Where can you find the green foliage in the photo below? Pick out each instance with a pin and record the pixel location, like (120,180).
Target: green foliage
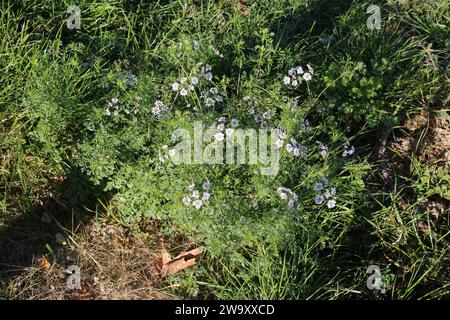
(60,89)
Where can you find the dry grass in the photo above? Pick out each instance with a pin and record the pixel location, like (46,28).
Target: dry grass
(115,264)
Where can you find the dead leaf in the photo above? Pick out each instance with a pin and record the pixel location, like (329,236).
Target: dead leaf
(29,159)
(241,6)
(184,260)
(44,264)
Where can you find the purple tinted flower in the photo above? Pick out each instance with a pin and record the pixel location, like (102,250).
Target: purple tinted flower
(318,186)
(319,199)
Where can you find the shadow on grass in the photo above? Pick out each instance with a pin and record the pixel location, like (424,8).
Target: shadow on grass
(319,17)
(27,237)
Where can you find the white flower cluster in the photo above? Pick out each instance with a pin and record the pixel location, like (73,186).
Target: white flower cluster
(260,117)
(348,150)
(297,150)
(216,51)
(323,149)
(297,75)
(114,108)
(327,194)
(289,195)
(183,87)
(197,199)
(253,103)
(196,47)
(160,111)
(282,135)
(292,146)
(211,96)
(206,72)
(220,136)
(166,153)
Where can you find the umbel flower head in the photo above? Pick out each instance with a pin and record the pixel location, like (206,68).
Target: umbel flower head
(297,75)
(197,198)
(289,195)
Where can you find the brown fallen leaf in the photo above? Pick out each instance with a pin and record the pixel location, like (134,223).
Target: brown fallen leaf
(44,264)
(184,260)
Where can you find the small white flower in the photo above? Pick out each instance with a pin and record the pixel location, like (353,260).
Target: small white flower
(107,112)
(114,100)
(206,185)
(294,83)
(349,150)
(221,126)
(296,152)
(293,201)
(283,196)
(127,111)
(282,134)
(208,76)
(172,152)
(175,86)
(310,69)
(333,191)
(191,187)
(194,80)
(183,92)
(186,201)
(165,147)
(299,70)
(197,204)
(219,136)
(206,196)
(279,143)
(196,45)
(283,192)
(195,194)
(286,80)
(307,76)
(156,111)
(234,122)
(289,148)
(266,115)
(331,204)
